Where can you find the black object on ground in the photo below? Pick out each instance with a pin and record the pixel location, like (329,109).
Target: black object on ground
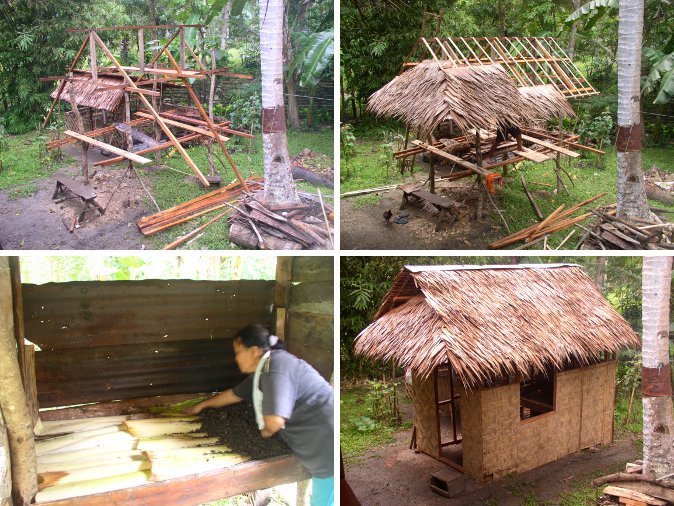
(235,427)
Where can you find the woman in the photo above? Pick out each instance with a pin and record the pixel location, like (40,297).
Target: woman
(290,398)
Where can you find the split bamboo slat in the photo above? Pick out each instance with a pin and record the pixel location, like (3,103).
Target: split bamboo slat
(108,147)
(194,208)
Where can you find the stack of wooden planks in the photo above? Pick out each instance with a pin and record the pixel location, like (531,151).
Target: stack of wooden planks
(560,219)
(289,226)
(191,209)
(611,232)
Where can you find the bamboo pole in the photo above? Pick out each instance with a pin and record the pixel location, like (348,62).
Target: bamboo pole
(13,400)
(5,465)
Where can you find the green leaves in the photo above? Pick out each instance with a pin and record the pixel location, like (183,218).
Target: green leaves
(594,10)
(314,55)
(662,73)
(24,40)
(219,5)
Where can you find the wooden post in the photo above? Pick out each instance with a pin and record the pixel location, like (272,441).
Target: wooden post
(480,183)
(431,170)
(127,119)
(13,400)
(5,466)
(182,48)
(80,129)
(284,269)
(141,50)
(92,57)
(211,95)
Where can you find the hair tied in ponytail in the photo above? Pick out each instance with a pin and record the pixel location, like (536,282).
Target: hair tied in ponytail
(273,340)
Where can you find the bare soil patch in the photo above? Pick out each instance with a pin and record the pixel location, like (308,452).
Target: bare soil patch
(394,475)
(38,222)
(364,227)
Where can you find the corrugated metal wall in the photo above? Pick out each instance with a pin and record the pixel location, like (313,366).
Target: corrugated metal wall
(105,340)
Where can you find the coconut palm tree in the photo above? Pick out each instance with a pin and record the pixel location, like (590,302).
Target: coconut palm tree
(657,383)
(279,185)
(631,188)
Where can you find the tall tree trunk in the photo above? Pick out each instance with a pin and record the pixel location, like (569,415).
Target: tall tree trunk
(600,273)
(291,79)
(657,381)
(124,50)
(13,400)
(631,188)
(224,27)
(571,48)
(278,181)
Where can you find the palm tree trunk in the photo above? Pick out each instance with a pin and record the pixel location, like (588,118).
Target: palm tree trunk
(656,381)
(631,188)
(571,48)
(278,181)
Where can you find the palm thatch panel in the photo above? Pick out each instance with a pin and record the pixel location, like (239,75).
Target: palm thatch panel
(431,92)
(546,102)
(493,322)
(86,95)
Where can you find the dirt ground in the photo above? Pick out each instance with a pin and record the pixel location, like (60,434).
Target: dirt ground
(394,475)
(365,227)
(235,426)
(38,222)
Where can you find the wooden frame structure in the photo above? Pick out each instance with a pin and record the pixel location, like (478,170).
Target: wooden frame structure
(134,81)
(531,61)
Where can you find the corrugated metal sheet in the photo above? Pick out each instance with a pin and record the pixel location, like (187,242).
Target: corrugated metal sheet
(101,313)
(105,340)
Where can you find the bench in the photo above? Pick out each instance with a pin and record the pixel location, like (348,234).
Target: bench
(444,205)
(85,193)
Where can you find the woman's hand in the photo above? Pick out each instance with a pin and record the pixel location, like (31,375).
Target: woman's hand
(272,424)
(194,410)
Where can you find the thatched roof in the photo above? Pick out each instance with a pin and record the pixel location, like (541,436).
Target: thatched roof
(545,102)
(86,94)
(474,97)
(491,322)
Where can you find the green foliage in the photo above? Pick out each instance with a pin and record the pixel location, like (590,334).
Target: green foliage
(244,109)
(662,73)
(596,129)
(363,423)
(592,10)
(383,399)
(347,147)
(313,56)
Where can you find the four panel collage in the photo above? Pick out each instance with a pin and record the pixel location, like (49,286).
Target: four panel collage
(417,252)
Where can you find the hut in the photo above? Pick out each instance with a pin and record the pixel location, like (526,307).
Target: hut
(99,349)
(512,366)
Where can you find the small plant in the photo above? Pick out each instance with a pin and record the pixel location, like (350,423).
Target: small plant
(387,148)
(598,130)
(363,423)
(347,146)
(383,399)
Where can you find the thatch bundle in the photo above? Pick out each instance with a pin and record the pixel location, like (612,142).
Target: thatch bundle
(86,94)
(474,97)
(546,102)
(493,322)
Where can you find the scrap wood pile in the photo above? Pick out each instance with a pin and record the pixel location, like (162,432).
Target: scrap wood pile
(94,455)
(636,488)
(194,208)
(560,219)
(611,232)
(304,225)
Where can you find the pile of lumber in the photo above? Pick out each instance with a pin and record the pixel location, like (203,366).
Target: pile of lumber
(304,225)
(191,209)
(611,232)
(634,488)
(560,219)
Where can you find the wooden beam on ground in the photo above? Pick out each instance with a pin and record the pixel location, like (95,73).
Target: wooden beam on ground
(108,147)
(158,147)
(185,126)
(455,159)
(529,154)
(157,118)
(551,146)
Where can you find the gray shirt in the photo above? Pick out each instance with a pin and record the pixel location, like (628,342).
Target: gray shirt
(293,389)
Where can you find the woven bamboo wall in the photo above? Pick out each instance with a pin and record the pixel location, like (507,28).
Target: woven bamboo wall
(598,389)
(500,420)
(425,419)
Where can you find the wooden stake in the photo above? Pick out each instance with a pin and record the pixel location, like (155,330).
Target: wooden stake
(141,50)
(92,57)
(13,400)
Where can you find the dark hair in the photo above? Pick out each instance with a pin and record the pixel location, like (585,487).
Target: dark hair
(256,335)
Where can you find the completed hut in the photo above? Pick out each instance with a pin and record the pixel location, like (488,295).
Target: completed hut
(512,366)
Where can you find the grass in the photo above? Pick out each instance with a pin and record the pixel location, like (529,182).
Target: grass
(366,169)
(23,161)
(354,443)
(22,165)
